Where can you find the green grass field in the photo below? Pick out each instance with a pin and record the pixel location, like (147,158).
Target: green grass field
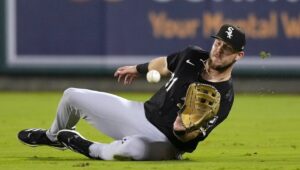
(261,132)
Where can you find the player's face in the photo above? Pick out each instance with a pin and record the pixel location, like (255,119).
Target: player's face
(222,55)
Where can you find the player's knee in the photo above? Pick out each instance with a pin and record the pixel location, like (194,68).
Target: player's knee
(70,94)
(134,147)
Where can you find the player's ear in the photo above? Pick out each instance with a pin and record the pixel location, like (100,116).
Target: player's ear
(240,55)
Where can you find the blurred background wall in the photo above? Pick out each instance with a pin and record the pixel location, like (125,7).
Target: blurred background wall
(55,44)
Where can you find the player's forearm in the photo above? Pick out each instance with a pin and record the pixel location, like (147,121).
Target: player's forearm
(159,64)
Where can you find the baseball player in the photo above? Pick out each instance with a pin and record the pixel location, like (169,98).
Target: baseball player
(183,112)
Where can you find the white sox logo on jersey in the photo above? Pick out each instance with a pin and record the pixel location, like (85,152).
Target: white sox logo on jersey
(229,32)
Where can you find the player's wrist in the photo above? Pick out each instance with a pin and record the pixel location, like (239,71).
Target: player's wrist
(142,68)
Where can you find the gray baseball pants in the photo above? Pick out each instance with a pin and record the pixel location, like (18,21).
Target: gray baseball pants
(124,120)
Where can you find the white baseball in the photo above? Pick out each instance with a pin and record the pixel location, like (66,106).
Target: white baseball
(153,76)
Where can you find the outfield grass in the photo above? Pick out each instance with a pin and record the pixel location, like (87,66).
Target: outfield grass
(262,132)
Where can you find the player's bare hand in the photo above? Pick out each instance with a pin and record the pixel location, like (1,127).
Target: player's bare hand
(128,73)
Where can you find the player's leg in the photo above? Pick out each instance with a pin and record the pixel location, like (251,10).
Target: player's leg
(119,118)
(110,114)
(136,147)
(113,115)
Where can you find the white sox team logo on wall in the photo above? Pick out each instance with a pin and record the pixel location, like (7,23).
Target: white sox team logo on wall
(229,32)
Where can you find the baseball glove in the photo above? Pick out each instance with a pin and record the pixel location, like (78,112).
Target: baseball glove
(201,105)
